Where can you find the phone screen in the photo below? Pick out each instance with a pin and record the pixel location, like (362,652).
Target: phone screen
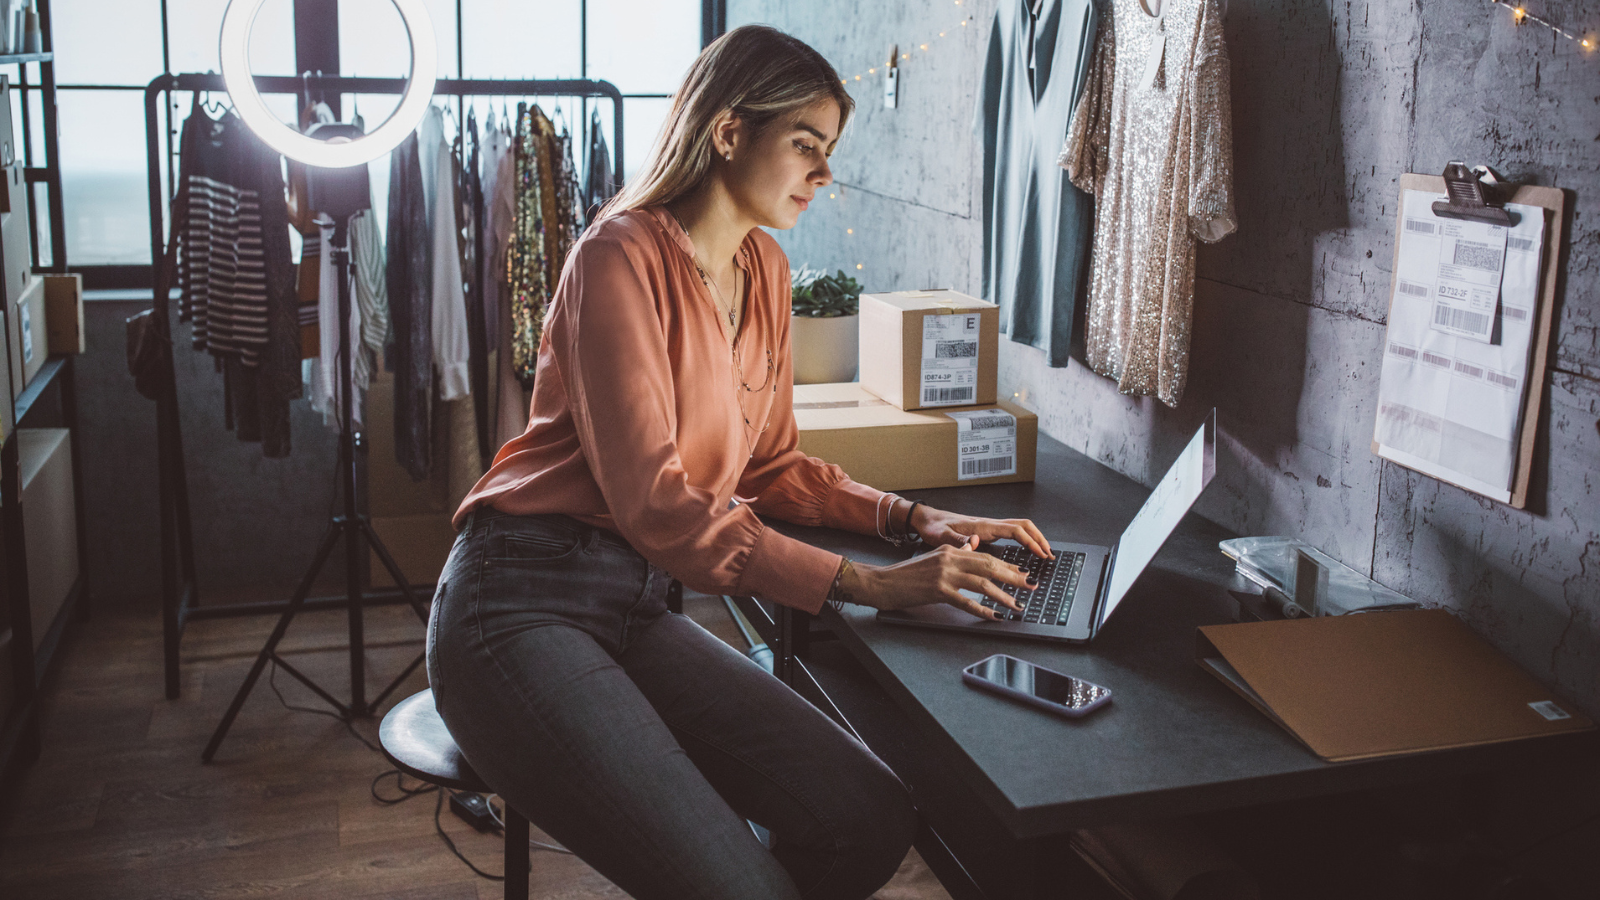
(1051,687)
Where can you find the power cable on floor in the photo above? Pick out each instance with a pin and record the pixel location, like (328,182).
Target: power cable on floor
(408,793)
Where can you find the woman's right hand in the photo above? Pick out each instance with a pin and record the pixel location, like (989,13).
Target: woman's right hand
(936,577)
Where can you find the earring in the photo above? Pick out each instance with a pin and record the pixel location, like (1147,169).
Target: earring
(728,156)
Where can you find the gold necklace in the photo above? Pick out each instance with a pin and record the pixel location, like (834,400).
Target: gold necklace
(721,303)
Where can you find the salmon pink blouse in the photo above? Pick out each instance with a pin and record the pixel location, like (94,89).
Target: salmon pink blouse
(644,422)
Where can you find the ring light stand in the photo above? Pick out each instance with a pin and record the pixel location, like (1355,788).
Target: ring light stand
(336,156)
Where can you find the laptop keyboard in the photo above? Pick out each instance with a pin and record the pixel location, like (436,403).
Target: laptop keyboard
(1051,601)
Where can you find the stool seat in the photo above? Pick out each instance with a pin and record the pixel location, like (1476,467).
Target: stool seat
(415,740)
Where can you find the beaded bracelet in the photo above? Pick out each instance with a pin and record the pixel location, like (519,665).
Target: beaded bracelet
(836,596)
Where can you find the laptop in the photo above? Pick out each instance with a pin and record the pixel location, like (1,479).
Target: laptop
(1082,587)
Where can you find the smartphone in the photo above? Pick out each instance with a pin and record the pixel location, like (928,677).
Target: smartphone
(1036,685)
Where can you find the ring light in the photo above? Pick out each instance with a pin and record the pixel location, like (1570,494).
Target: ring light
(235,51)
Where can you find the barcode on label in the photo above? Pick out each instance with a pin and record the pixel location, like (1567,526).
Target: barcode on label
(955,349)
(1505,381)
(1514,312)
(1549,710)
(1420,227)
(1477,256)
(1403,351)
(1519,243)
(1460,319)
(1469,369)
(1436,359)
(985,466)
(991,422)
(1415,290)
(946,395)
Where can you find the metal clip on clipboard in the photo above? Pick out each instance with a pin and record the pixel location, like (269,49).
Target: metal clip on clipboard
(1466,198)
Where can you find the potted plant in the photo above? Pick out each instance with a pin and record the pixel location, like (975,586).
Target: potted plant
(823,329)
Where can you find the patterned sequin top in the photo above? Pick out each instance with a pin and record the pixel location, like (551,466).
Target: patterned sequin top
(1152,138)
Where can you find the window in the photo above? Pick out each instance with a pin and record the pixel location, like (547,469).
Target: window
(108,50)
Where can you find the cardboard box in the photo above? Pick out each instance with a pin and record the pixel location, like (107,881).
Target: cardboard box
(8,139)
(898,450)
(14,231)
(26,336)
(930,349)
(49,522)
(63,305)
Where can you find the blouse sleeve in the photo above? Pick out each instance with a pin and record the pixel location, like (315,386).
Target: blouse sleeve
(1085,155)
(782,482)
(606,338)
(1211,212)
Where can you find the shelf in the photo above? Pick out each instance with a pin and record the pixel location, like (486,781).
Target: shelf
(36,388)
(7,59)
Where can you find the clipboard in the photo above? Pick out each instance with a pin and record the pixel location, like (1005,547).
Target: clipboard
(1554,201)
(1378,684)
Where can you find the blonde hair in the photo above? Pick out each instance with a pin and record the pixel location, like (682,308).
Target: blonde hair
(759,74)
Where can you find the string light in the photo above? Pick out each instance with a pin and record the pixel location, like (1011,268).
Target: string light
(1520,15)
(860,76)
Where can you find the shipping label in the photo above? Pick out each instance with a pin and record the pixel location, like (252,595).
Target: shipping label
(950,360)
(986,443)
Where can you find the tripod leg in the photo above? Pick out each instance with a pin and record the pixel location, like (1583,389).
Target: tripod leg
(270,648)
(394,570)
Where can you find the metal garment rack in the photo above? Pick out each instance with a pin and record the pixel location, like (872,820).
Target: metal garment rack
(180,594)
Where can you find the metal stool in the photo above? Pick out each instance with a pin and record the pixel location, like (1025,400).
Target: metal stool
(414,738)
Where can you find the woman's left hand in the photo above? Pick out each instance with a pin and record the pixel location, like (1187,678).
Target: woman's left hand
(939,527)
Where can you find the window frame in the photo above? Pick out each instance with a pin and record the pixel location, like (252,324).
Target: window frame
(713,22)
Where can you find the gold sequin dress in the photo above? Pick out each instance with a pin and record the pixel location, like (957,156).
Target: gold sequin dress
(1152,139)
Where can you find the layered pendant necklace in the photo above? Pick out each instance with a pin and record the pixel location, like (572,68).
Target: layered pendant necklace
(718,291)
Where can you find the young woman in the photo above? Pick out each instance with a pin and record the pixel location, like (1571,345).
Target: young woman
(661,426)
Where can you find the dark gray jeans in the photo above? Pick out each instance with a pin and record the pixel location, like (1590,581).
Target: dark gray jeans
(638,740)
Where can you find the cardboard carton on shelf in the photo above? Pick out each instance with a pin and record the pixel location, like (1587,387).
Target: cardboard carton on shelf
(26,335)
(898,450)
(929,349)
(49,522)
(14,231)
(63,302)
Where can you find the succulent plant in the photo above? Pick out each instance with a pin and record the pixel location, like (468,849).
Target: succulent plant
(818,295)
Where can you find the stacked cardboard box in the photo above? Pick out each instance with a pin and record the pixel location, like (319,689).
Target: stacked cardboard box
(925,414)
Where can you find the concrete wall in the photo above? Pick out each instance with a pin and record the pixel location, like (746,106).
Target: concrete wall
(257,521)
(1332,102)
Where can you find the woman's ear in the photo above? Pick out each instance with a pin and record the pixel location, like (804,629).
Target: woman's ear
(727,134)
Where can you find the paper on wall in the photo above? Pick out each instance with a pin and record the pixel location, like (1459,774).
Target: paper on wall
(1449,403)
(949,359)
(986,443)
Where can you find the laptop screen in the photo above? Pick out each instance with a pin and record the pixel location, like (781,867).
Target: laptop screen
(1162,512)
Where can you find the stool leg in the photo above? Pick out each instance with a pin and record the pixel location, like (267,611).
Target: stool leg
(516,855)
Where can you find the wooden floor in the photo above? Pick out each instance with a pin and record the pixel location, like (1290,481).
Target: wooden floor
(120,805)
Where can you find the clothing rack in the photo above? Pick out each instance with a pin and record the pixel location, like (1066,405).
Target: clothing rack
(180,594)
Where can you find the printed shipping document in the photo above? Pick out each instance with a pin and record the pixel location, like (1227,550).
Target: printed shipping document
(1455,361)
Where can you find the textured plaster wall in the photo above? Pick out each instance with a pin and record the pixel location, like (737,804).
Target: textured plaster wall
(1332,102)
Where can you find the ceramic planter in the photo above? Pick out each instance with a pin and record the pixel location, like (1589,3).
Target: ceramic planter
(825,350)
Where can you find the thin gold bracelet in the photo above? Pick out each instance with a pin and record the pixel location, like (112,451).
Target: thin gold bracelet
(836,596)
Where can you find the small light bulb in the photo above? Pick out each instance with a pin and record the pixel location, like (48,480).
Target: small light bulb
(849,231)
(872,71)
(924,46)
(905,56)
(830,196)
(858,265)
(941,34)
(858,77)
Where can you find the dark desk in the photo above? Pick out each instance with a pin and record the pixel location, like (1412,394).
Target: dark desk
(1174,741)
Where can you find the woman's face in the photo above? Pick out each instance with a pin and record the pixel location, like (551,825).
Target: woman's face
(775,177)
